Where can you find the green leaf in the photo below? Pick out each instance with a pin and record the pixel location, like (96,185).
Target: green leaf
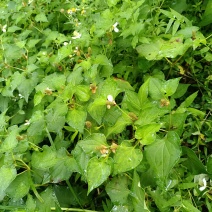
(131,102)
(3,121)
(169,87)
(159,48)
(30,203)
(48,200)
(192,162)
(27,86)
(158,199)
(209,164)
(147,133)
(53,81)
(112,3)
(163,154)
(117,189)
(7,175)
(93,143)
(82,160)
(175,27)
(138,194)
(64,167)
(108,87)
(38,97)
(171,21)
(32,42)
(16,80)
(97,109)
(44,160)
(143,93)
(76,119)
(13,29)
(150,115)
(41,18)
(120,125)
(56,112)
(181,90)
(21,184)
(37,124)
(98,170)
(102,60)
(188,101)
(207,16)
(83,93)
(126,159)
(175,122)
(155,88)
(12,52)
(188,206)
(54,122)
(62,53)
(10,142)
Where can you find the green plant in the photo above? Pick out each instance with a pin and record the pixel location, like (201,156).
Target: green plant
(105,106)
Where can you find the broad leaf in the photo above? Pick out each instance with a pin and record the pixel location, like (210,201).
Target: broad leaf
(150,115)
(209,165)
(131,102)
(126,158)
(11,141)
(188,101)
(7,175)
(21,185)
(147,133)
(169,87)
(164,154)
(120,125)
(44,160)
(117,189)
(41,17)
(98,171)
(82,160)
(97,109)
(192,162)
(64,167)
(83,93)
(93,143)
(155,89)
(76,119)
(143,92)
(138,194)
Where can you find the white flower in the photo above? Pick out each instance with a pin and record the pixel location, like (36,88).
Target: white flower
(66,43)
(110,98)
(111,101)
(27,122)
(76,35)
(204,185)
(115,27)
(21,96)
(201,179)
(4,28)
(72,11)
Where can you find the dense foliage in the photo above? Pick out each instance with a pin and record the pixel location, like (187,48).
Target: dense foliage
(105,105)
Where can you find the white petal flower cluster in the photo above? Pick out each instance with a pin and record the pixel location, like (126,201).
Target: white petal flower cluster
(77,35)
(110,101)
(115,27)
(4,28)
(201,179)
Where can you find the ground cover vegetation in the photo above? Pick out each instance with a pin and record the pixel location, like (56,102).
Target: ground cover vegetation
(105,105)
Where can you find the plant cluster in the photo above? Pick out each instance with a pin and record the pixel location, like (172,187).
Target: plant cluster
(105,105)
